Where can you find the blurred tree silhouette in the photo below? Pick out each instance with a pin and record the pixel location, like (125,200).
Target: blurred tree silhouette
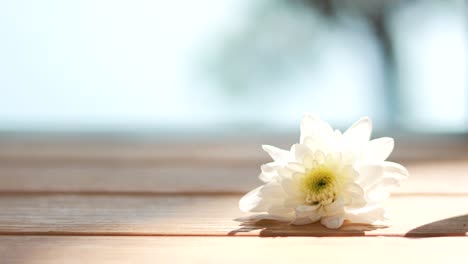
(277,36)
(375,13)
(280,36)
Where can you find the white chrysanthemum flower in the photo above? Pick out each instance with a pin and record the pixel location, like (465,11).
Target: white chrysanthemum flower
(328,177)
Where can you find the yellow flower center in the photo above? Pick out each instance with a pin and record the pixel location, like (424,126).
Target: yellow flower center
(320,186)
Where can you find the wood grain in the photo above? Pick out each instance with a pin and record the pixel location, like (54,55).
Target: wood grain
(210,215)
(103,250)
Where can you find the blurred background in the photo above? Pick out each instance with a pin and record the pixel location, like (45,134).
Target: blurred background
(178,96)
(232,66)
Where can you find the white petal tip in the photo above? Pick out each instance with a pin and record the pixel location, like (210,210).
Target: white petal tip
(360,131)
(266,148)
(332,222)
(250,201)
(246,204)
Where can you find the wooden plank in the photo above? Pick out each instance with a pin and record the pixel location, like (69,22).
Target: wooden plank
(102,250)
(426,177)
(129,153)
(167,148)
(128,179)
(124,165)
(64,214)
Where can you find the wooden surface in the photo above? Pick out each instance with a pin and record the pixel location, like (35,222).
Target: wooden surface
(210,215)
(124,204)
(151,250)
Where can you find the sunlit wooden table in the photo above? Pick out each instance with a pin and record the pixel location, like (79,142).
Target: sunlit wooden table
(165,203)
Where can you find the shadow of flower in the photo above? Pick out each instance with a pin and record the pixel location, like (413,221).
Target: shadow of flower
(454,226)
(270,228)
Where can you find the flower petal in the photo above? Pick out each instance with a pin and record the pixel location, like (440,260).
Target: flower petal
(379,149)
(259,217)
(269,171)
(303,210)
(332,222)
(314,127)
(306,214)
(291,187)
(262,198)
(369,174)
(300,151)
(306,220)
(366,215)
(280,210)
(293,201)
(337,207)
(279,155)
(391,175)
(395,170)
(354,196)
(290,170)
(360,132)
(295,167)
